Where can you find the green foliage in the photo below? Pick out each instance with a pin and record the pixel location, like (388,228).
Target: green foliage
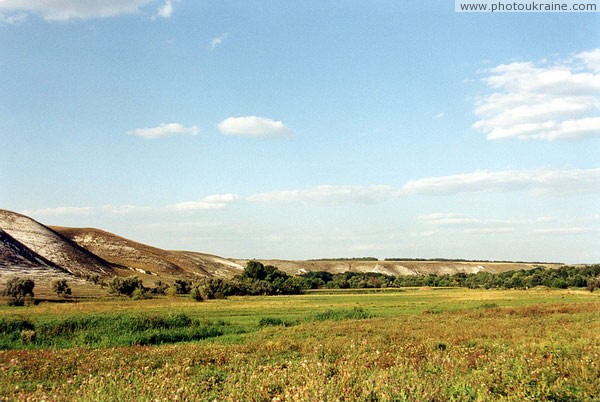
(107,331)
(274,322)
(212,288)
(356,313)
(125,286)
(20,290)
(561,278)
(96,279)
(61,288)
(161,288)
(182,286)
(140,294)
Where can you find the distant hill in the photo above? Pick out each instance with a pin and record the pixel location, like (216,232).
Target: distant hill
(27,245)
(147,259)
(394,268)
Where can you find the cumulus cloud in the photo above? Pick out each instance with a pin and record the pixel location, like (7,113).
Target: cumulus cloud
(542,101)
(215,201)
(538,182)
(164,130)
(327,194)
(253,126)
(62,10)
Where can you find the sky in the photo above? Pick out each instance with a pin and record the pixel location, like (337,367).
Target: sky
(305,129)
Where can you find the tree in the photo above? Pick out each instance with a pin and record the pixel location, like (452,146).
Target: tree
(19,289)
(61,287)
(211,288)
(182,286)
(125,286)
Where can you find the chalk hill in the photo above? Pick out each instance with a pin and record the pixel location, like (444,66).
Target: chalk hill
(147,259)
(52,246)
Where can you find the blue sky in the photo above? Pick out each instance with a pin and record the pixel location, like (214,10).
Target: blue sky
(305,129)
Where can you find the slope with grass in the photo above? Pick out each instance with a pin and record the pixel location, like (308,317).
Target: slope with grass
(145,259)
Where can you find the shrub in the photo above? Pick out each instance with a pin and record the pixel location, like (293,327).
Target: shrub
(61,287)
(140,294)
(124,286)
(20,290)
(171,291)
(196,294)
(356,313)
(182,286)
(28,336)
(211,288)
(273,322)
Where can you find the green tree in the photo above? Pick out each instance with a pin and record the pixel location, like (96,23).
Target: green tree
(19,289)
(125,286)
(61,288)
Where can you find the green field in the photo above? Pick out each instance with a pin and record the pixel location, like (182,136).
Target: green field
(412,344)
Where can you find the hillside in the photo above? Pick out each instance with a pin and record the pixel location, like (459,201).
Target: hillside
(53,246)
(149,260)
(26,244)
(17,260)
(396,267)
(13,253)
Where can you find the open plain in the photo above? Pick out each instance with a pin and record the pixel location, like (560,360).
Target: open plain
(411,344)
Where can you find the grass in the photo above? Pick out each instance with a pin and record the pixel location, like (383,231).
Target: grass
(418,344)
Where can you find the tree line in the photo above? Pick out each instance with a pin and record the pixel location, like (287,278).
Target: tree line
(560,278)
(265,280)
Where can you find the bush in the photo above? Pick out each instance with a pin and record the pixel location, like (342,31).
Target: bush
(197,294)
(20,290)
(140,294)
(211,288)
(356,313)
(182,286)
(125,286)
(61,287)
(274,322)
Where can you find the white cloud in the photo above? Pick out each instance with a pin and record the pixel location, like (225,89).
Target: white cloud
(216,41)
(455,219)
(166,10)
(85,211)
(13,18)
(163,130)
(490,230)
(327,194)
(253,126)
(211,202)
(567,231)
(440,115)
(541,181)
(62,10)
(542,101)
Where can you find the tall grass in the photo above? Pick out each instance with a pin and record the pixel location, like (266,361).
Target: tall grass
(107,331)
(478,346)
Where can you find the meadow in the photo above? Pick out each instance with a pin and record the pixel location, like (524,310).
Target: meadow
(417,344)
